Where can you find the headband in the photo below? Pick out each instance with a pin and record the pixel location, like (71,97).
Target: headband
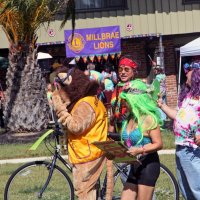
(190,66)
(128,62)
(64,78)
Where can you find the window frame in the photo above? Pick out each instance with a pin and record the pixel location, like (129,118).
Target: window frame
(125,7)
(190,1)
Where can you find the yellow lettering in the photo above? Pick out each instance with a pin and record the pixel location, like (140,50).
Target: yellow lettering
(103,45)
(116,34)
(89,37)
(107,35)
(95,47)
(103,36)
(111,45)
(112,35)
(98,37)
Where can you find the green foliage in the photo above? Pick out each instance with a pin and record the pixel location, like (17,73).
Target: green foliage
(21,19)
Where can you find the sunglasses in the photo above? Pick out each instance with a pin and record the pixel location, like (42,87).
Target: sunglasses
(62,80)
(126,69)
(134,91)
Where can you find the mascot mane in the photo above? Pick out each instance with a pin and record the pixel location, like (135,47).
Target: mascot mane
(80,86)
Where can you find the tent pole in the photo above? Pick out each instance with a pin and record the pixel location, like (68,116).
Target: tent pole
(179,75)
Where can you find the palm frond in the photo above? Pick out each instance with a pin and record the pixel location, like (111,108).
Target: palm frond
(70,11)
(21,19)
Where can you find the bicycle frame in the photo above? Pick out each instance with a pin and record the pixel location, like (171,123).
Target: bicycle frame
(56,156)
(102,191)
(101,188)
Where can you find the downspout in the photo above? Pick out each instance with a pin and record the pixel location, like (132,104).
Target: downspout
(161,52)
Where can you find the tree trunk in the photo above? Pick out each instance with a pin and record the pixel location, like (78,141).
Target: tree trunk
(26,106)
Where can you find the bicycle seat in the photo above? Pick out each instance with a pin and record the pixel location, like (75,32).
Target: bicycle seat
(114,136)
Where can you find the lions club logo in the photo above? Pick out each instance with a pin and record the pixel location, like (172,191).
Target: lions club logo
(76,43)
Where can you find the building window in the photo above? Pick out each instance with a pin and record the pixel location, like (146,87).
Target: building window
(100,5)
(4,62)
(190,1)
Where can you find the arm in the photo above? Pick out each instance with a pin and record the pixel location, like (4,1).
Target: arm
(114,77)
(79,120)
(170,112)
(197,134)
(197,140)
(111,128)
(156,139)
(156,144)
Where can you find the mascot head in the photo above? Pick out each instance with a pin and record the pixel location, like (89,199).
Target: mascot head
(74,85)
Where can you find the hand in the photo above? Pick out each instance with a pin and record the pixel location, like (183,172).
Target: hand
(64,118)
(57,102)
(134,151)
(159,101)
(197,140)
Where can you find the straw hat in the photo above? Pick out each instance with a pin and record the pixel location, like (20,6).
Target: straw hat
(56,65)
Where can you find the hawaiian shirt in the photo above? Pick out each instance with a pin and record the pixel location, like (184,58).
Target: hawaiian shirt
(187,122)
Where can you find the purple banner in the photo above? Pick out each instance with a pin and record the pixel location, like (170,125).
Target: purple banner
(92,41)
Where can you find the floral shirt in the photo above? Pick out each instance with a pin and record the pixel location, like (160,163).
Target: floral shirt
(187,122)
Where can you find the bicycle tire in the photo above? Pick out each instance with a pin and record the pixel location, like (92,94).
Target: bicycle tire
(26,182)
(166,185)
(167,191)
(118,183)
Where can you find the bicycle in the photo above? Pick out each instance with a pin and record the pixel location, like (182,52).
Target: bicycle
(46,180)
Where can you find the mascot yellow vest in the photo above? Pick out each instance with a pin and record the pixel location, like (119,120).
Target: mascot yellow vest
(79,146)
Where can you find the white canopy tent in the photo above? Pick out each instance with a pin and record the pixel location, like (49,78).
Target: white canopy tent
(42,55)
(190,49)
(43,61)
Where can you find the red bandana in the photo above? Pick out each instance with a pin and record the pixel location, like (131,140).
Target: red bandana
(128,62)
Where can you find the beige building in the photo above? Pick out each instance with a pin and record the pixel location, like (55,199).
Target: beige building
(145,26)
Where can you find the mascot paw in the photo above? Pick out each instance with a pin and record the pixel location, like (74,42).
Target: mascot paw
(64,117)
(57,102)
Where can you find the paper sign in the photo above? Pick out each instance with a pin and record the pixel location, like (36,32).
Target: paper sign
(117,149)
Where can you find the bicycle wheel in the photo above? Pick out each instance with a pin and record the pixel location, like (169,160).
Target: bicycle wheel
(26,182)
(120,176)
(166,185)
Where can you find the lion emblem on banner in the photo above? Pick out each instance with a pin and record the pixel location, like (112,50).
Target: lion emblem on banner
(76,42)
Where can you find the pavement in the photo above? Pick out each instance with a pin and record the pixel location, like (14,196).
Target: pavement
(25,160)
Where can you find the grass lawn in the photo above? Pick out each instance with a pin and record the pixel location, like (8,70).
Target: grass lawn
(19,150)
(7,169)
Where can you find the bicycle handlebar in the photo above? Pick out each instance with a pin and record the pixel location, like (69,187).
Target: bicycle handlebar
(114,136)
(58,128)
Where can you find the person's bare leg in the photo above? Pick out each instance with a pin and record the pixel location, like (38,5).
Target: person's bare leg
(129,192)
(145,192)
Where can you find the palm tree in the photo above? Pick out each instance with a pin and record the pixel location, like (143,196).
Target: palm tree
(26,105)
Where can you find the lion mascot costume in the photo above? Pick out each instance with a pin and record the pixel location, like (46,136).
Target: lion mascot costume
(84,120)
